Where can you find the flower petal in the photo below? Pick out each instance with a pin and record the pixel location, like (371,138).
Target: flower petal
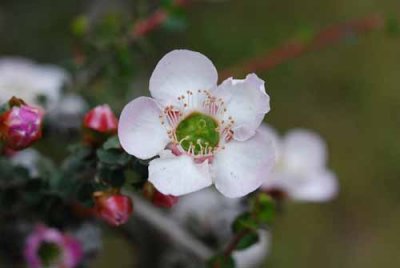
(303,150)
(317,187)
(246,102)
(140,131)
(243,166)
(180,71)
(273,135)
(178,175)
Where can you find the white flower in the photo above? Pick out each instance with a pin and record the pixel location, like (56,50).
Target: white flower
(210,131)
(69,112)
(36,84)
(301,172)
(207,213)
(28,158)
(254,256)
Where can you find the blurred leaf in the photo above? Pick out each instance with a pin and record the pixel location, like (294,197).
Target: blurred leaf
(248,240)
(176,23)
(113,157)
(264,208)
(85,194)
(221,261)
(112,143)
(135,179)
(113,177)
(80,26)
(80,158)
(166,4)
(243,222)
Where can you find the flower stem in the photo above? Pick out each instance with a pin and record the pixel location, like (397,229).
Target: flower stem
(168,227)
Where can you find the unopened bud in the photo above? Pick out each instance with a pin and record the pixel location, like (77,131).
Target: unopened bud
(157,198)
(114,208)
(99,123)
(21,126)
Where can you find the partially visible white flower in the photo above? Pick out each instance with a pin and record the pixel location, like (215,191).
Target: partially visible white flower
(29,159)
(254,256)
(36,84)
(89,235)
(301,173)
(207,213)
(69,112)
(204,134)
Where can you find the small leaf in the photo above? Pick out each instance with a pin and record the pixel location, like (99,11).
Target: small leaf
(264,208)
(221,261)
(113,157)
(244,221)
(113,177)
(248,240)
(112,143)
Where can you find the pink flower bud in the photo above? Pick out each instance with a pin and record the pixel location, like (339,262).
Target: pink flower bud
(21,126)
(101,119)
(48,247)
(157,198)
(99,123)
(115,209)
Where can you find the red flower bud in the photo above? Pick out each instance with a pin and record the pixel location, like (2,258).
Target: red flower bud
(115,209)
(21,126)
(99,123)
(157,198)
(162,200)
(101,119)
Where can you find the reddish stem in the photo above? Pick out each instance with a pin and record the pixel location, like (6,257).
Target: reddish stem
(293,49)
(149,24)
(234,242)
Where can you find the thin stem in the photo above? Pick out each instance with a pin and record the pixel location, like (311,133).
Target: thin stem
(154,21)
(234,242)
(293,49)
(172,230)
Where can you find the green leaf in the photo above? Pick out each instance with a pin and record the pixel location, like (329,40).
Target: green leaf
(248,240)
(264,208)
(221,261)
(112,143)
(113,157)
(134,180)
(113,177)
(80,25)
(243,222)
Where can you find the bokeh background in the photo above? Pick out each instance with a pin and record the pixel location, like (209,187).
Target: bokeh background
(348,92)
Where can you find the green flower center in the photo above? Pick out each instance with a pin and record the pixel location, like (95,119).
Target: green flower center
(198,133)
(49,253)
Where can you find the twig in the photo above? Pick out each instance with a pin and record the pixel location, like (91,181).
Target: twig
(293,49)
(145,26)
(170,228)
(234,242)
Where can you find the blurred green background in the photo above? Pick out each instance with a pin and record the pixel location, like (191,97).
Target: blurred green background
(348,92)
